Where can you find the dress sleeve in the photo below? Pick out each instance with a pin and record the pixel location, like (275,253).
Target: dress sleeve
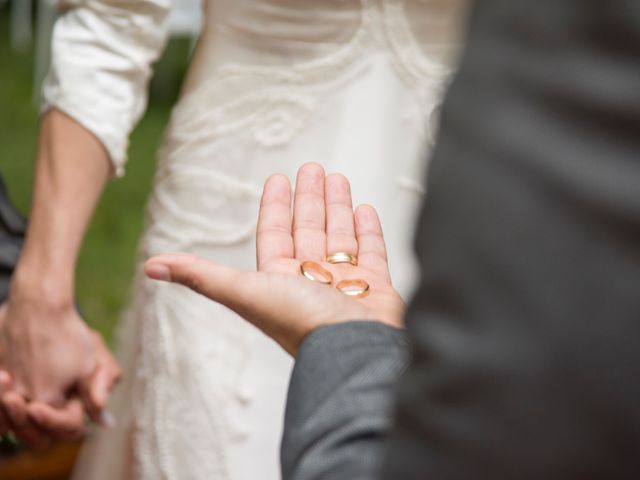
(102,51)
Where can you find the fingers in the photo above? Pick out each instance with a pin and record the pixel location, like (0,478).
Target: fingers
(16,410)
(309,235)
(274,239)
(372,252)
(62,423)
(341,235)
(5,386)
(219,283)
(4,423)
(5,381)
(96,388)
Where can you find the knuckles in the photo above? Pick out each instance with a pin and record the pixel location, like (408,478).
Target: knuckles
(193,281)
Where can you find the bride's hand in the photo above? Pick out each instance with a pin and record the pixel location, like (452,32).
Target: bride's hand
(277,298)
(51,366)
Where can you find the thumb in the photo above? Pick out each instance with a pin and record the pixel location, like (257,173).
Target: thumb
(96,387)
(214,281)
(96,393)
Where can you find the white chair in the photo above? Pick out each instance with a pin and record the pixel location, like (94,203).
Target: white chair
(186,18)
(20,26)
(46,17)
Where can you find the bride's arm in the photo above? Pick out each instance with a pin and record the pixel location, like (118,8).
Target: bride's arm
(102,53)
(93,96)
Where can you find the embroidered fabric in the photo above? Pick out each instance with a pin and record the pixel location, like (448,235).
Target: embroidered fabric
(353,85)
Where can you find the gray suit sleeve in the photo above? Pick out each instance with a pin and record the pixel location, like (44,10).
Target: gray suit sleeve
(339,407)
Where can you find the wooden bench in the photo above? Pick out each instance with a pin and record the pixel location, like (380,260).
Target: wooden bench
(54,464)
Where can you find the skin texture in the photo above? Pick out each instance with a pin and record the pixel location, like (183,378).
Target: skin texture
(53,368)
(276,298)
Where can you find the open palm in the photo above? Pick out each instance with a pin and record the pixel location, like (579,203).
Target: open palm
(276,298)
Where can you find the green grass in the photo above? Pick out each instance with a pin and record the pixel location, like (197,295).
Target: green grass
(108,255)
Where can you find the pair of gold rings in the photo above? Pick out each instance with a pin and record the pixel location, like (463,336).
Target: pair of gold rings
(315,272)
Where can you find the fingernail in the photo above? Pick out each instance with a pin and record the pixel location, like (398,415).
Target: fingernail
(107,419)
(157,271)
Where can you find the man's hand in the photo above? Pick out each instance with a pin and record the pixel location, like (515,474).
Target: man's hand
(53,366)
(276,298)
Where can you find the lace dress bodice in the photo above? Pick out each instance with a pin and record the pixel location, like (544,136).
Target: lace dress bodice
(263,64)
(102,50)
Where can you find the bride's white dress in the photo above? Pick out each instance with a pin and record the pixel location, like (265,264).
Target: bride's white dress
(351,84)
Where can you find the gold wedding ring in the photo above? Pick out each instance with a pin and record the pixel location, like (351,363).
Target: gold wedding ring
(356,287)
(342,257)
(316,272)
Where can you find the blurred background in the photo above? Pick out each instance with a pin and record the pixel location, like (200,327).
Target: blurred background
(107,259)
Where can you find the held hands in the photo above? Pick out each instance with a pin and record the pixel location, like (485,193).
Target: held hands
(277,298)
(54,369)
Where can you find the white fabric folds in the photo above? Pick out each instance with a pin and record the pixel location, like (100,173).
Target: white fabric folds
(102,51)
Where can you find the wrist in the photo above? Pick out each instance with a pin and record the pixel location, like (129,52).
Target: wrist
(55,291)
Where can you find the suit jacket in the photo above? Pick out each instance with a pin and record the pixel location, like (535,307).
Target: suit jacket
(12,229)
(525,329)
